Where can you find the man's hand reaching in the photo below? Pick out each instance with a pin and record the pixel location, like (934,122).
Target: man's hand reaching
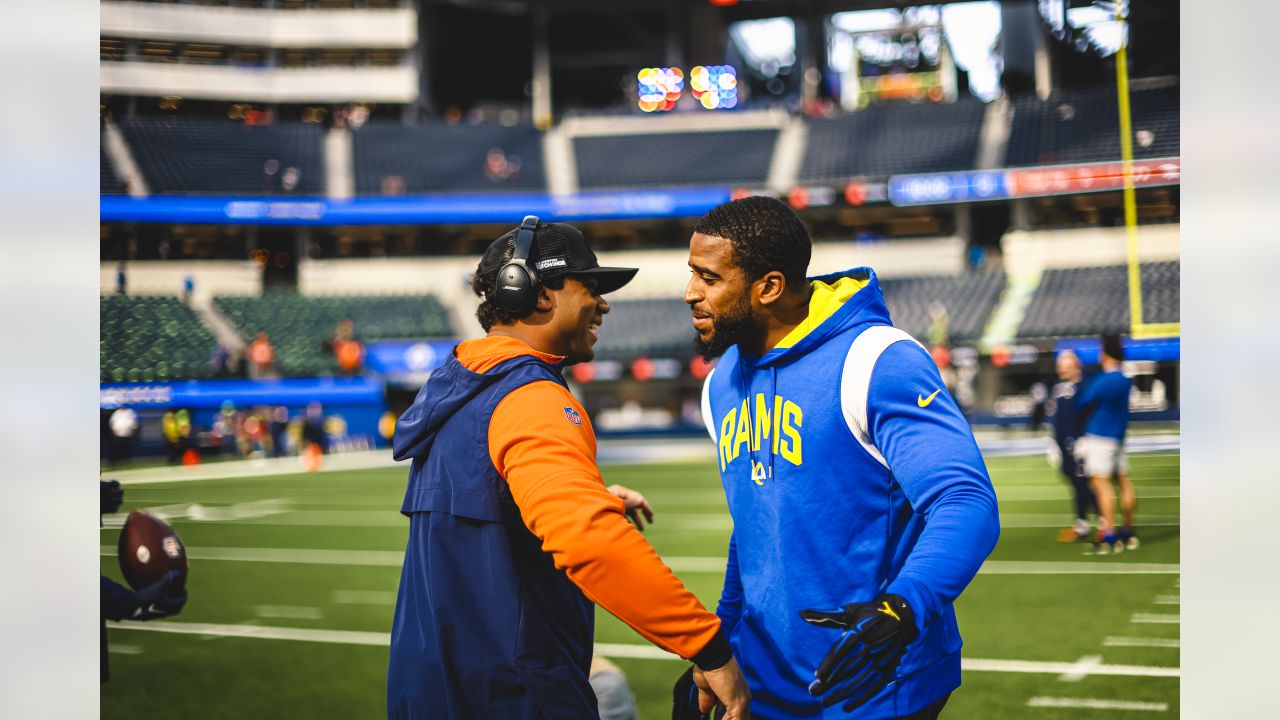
(635,504)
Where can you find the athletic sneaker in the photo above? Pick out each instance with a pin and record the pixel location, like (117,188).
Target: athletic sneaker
(1105,545)
(1128,539)
(1071,535)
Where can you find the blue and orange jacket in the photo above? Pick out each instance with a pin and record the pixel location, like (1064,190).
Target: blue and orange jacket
(512,537)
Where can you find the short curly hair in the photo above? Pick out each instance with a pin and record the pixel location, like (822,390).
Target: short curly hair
(766,235)
(495,257)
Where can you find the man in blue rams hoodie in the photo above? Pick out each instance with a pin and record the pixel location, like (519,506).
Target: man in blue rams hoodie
(860,503)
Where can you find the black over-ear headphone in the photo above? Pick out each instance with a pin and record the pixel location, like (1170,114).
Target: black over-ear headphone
(517,285)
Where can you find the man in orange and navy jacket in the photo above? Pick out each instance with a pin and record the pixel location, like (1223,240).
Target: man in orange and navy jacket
(512,533)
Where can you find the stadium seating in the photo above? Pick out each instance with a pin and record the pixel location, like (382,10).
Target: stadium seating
(196,155)
(391,158)
(297,325)
(148,339)
(658,327)
(108,181)
(739,157)
(893,138)
(1084,126)
(1094,300)
(968,299)
(661,327)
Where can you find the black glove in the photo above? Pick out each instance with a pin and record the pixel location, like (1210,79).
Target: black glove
(160,599)
(110,495)
(863,661)
(684,699)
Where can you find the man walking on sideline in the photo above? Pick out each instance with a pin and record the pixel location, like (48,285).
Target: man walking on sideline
(861,506)
(512,533)
(1066,430)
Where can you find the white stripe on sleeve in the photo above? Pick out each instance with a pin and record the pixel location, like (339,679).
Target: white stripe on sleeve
(855,380)
(707,417)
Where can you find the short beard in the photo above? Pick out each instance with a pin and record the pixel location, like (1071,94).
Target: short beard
(734,327)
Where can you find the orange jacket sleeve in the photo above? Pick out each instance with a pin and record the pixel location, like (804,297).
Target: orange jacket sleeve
(548,460)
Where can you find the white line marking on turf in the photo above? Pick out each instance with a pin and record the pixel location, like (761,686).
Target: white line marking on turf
(1094,704)
(1015,567)
(363,597)
(121,649)
(395,558)
(1116,641)
(1048,520)
(295,612)
(695,564)
(629,650)
(1081,668)
(1062,668)
(1155,618)
(262,632)
(1168,600)
(304,556)
(639,652)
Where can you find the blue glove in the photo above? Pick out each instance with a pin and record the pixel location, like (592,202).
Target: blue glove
(863,661)
(159,599)
(110,495)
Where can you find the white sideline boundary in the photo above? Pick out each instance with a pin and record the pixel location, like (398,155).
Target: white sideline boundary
(613,650)
(611,452)
(1096,704)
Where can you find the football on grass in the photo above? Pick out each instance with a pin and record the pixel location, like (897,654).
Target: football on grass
(149,548)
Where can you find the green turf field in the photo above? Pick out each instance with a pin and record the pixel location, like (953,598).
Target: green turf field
(307,565)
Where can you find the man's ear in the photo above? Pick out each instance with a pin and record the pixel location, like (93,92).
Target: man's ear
(546,301)
(770,287)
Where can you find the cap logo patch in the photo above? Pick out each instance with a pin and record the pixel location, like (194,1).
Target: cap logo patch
(551,262)
(572,415)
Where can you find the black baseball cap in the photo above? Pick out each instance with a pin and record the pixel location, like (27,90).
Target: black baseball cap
(559,250)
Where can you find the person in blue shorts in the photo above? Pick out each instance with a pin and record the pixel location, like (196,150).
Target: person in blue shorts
(1105,397)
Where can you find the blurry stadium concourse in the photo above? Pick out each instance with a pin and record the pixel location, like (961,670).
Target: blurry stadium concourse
(295,192)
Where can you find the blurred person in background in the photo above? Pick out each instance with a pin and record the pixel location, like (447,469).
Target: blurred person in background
(1105,399)
(223,433)
(172,436)
(262,356)
(117,602)
(861,505)
(124,425)
(613,694)
(279,428)
(1067,427)
(122,281)
(313,428)
(347,350)
(504,478)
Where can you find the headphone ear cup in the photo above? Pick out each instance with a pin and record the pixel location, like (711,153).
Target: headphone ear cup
(517,289)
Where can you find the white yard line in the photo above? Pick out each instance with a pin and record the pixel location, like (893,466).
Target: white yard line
(1100,567)
(395,558)
(303,556)
(1096,704)
(1168,600)
(660,450)
(628,650)
(1081,668)
(363,597)
(122,649)
(292,612)
(1155,618)
(1142,642)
